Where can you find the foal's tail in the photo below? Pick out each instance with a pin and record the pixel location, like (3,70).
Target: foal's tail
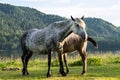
(93,42)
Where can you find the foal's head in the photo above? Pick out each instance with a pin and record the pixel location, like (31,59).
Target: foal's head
(60,46)
(78,27)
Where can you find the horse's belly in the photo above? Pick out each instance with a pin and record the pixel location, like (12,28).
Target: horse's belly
(35,47)
(35,41)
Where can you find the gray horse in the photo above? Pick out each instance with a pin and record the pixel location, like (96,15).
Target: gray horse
(45,40)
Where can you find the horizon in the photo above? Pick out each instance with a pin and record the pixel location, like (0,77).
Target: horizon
(65,8)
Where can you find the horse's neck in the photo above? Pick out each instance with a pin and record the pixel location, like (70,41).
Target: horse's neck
(65,30)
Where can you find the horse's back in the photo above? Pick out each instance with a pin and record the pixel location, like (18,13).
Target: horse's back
(24,35)
(32,40)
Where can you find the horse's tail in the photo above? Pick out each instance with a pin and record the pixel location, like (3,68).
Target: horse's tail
(93,41)
(23,38)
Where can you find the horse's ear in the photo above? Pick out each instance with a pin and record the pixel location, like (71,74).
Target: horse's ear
(82,17)
(72,18)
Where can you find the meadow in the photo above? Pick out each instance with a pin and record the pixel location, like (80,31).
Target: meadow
(101,66)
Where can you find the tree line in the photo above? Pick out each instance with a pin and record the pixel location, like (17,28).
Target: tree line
(14,20)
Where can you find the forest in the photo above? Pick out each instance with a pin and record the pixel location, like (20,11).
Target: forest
(14,20)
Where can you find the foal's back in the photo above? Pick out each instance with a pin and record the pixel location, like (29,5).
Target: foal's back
(73,42)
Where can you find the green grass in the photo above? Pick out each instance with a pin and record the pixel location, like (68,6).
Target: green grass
(109,70)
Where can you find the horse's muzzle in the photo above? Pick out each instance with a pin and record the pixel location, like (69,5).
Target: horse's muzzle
(84,37)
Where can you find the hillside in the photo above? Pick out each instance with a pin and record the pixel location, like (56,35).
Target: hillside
(14,20)
(119,27)
(100,28)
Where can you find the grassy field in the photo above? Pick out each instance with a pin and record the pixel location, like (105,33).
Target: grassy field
(109,69)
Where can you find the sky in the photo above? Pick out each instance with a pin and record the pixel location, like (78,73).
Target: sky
(108,10)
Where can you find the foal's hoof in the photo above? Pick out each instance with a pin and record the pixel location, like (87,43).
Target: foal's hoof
(62,73)
(67,71)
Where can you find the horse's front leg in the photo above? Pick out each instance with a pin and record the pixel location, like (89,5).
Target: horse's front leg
(65,61)
(61,64)
(49,63)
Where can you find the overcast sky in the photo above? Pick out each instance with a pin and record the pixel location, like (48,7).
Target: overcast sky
(108,10)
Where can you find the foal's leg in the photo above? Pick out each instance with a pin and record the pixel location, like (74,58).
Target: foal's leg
(65,61)
(49,63)
(61,64)
(84,60)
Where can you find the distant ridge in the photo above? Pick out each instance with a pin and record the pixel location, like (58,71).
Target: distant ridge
(15,19)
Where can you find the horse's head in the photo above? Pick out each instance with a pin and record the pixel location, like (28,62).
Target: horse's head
(78,27)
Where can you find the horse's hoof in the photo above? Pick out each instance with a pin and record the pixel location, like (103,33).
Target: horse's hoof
(25,73)
(83,74)
(64,74)
(48,75)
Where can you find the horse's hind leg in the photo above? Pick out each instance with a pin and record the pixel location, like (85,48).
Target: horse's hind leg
(25,57)
(84,60)
(23,60)
(65,61)
(28,56)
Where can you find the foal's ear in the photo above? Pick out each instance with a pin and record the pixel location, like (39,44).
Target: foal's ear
(72,18)
(82,17)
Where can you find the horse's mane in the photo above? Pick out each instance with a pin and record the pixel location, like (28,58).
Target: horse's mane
(59,24)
